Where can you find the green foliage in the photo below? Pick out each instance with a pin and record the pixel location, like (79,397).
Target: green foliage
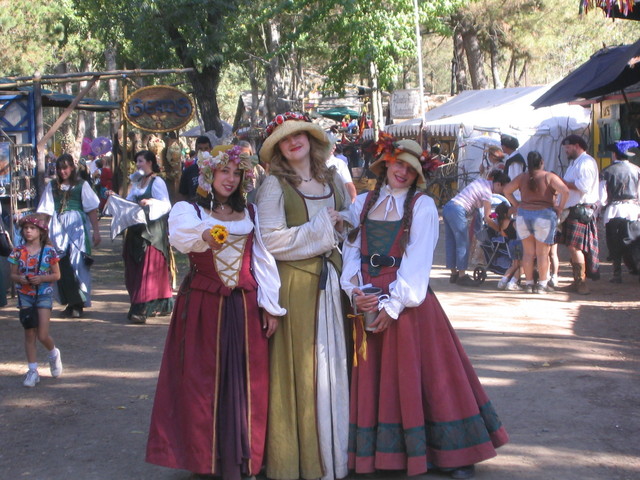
(361,34)
(39,34)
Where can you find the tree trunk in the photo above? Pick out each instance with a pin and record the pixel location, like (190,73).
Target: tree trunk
(522,78)
(273,77)
(495,60)
(458,64)
(474,56)
(204,80)
(376,100)
(114,115)
(512,66)
(205,88)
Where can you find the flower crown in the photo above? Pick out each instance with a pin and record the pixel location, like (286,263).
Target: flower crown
(283,117)
(207,164)
(387,149)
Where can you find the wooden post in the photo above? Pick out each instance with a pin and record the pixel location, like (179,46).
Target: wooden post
(39,133)
(124,161)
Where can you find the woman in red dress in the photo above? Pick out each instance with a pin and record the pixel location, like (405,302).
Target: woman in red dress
(210,410)
(416,403)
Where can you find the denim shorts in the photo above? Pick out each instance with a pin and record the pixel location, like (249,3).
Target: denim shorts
(539,223)
(44,300)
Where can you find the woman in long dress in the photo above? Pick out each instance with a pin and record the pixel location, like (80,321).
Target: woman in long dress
(210,410)
(301,205)
(72,206)
(416,402)
(146,250)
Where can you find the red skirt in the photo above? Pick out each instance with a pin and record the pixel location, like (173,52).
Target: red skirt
(416,401)
(210,411)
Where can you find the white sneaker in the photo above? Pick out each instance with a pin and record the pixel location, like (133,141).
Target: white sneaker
(513,286)
(502,284)
(55,364)
(31,378)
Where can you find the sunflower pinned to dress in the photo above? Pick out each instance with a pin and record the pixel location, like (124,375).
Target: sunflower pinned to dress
(219,233)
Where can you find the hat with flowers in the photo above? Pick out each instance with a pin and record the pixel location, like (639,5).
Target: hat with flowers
(37,219)
(286,124)
(387,149)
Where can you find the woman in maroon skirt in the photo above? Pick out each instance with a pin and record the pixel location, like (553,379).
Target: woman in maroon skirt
(146,250)
(210,409)
(416,403)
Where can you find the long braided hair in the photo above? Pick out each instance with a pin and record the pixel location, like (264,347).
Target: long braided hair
(407,217)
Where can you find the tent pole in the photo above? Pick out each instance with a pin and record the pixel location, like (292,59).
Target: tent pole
(419,55)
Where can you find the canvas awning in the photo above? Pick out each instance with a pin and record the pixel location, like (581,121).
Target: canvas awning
(608,70)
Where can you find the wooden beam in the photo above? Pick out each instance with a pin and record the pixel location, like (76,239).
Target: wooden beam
(54,128)
(86,76)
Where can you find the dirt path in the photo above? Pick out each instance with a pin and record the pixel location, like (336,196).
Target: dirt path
(563,376)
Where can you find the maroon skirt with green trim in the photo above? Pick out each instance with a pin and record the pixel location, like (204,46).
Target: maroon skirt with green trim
(416,401)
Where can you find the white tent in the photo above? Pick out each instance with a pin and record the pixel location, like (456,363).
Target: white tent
(474,115)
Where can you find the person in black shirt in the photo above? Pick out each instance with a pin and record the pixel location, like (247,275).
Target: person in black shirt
(189,178)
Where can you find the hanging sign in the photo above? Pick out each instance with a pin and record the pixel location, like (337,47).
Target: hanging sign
(158,108)
(405,103)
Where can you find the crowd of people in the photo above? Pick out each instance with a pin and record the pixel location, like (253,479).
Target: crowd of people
(305,340)
(544,211)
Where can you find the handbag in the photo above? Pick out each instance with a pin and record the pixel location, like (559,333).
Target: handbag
(29,316)
(6,245)
(87,259)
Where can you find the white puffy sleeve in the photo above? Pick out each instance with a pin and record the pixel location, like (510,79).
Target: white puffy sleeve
(46,204)
(310,239)
(159,204)
(410,287)
(90,200)
(185,229)
(351,276)
(266,274)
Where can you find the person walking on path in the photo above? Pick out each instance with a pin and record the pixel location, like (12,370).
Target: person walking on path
(210,410)
(579,232)
(457,213)
(72,206)
(34,267)
(620,193)
(537,217)
(416,403)
(146,251)
(301,206)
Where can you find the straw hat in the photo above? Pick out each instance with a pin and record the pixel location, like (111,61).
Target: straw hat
(406,150)
(284,125)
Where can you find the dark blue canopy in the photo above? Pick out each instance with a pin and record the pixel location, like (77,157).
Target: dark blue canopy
(608,70)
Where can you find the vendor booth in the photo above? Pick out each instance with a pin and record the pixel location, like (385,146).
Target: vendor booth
(477,118)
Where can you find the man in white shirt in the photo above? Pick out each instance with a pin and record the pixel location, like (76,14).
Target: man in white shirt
(579,232)
(343,172)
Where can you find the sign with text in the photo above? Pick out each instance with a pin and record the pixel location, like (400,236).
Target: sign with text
(159,108)
(405,103)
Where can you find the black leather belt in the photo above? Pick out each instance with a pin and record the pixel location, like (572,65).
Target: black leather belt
(380,260)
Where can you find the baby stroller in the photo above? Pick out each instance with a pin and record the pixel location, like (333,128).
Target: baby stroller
(495,251)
